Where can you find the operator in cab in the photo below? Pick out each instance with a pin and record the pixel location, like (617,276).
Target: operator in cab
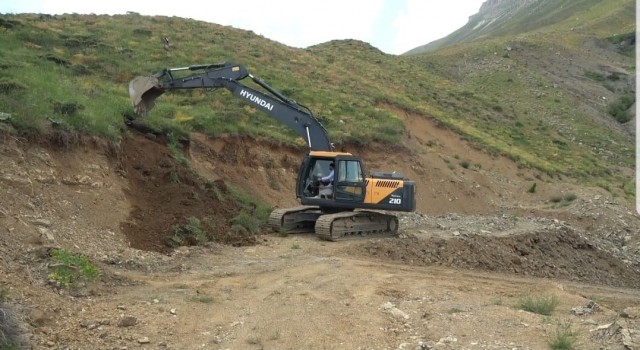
(327,180)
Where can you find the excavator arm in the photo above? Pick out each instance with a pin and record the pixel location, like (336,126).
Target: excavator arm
(144,91)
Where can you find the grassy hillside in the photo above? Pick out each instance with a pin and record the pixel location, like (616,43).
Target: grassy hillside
(559,94)
(72,72)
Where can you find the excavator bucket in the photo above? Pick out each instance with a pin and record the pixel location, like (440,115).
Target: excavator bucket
(143,92)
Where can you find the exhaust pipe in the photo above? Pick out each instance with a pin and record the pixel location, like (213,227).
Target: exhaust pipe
(143,92)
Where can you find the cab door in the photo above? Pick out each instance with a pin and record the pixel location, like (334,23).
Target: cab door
(348,180)
(304,177)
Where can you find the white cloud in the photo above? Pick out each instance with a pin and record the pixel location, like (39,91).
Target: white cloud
(293,22)
(303,24)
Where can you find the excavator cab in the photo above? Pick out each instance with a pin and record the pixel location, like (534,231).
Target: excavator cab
(313,184)
(348,185)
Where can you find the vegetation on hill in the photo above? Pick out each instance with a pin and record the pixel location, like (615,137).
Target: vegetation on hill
(536,97)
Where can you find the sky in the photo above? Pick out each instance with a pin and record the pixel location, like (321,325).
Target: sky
(393,26)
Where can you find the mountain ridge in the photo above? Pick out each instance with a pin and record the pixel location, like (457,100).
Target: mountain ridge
(512,17)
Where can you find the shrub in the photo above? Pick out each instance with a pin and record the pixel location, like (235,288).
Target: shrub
(191,233)
(540,305)
(619,109)
(70,268)
(244,219)
(564,339)
(597,76)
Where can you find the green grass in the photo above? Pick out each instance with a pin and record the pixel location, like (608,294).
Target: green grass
(71,268)
(203,298)
(539,305)
(564,338)
(176,150)
(250,202)
(189,233)
(249,221)
(620,108)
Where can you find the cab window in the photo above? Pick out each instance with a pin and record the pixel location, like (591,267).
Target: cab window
(350,170)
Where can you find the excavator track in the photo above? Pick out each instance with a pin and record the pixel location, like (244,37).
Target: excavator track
(356,225)
(299,219)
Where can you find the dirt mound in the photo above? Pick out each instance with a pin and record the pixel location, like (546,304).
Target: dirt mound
(167,198)
(558,253)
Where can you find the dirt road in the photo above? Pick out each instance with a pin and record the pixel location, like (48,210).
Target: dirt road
(302,293)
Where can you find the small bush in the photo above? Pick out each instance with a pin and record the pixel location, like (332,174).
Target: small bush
(244,219)
(541,305)
(570,197)
(190,233)
(70,268)
(597,76)
(532,189)
(619,109)
(564,339)
(465,164)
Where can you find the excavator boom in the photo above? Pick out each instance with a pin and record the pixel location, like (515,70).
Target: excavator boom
(144,90)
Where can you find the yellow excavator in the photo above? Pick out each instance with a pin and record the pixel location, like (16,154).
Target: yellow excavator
(346,205)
